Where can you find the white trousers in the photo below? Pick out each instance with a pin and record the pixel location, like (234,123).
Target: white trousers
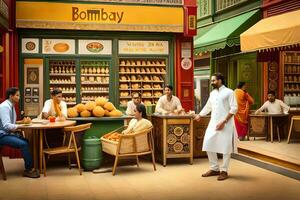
(213,161)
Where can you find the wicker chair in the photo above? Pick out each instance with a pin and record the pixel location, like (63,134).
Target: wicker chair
(137,144)
(2,169)
(69,147)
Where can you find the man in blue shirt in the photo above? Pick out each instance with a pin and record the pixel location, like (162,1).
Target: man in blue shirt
(8,130)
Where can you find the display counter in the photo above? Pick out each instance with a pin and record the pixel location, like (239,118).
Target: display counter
(102,125)
(173,136)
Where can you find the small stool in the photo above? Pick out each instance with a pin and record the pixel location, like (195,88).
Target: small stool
(2,170)
(294,118)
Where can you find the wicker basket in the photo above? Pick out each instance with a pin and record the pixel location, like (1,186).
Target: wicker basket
(126,144)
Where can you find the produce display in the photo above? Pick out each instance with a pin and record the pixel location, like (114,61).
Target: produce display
(99,108)
(145,76)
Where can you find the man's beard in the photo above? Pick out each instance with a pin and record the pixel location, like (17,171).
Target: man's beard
(214,86)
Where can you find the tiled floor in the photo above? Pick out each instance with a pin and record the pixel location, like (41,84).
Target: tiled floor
(176,181)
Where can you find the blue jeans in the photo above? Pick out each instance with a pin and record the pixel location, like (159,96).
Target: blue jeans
(18,142)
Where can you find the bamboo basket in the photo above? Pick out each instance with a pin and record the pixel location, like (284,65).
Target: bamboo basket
(127,144)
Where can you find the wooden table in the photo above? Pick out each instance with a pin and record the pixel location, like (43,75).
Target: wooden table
(270,116)
(39,128)
(173,135)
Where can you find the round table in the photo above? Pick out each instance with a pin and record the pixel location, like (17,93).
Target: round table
(270,116)
(39,127)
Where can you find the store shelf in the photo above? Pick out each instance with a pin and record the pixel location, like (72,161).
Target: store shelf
(142,65)
(125,97)
(105,75)
(143,73)
(93,92)
(62,83)
(291,73)
(292,63)
(291,90)
(64,92)
(62,74)
(95,83)
(71,103)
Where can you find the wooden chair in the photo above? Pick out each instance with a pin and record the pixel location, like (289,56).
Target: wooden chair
(293,120)
(69,147)
(137,144)
(2,169)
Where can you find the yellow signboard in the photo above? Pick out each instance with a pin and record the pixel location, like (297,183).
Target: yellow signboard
(99,16)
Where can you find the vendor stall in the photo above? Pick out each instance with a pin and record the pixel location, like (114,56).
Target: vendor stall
(173,136)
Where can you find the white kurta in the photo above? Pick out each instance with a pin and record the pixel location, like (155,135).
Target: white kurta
(221,102)
(163,105)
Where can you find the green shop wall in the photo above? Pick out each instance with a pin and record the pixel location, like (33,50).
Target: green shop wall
(113,59)
(243,67)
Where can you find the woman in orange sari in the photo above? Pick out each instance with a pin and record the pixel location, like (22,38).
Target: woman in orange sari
(244,100)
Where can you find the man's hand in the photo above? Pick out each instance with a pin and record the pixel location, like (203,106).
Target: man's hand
(197,118)
(220,126)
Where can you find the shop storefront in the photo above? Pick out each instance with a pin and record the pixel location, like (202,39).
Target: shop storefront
(110,50)
(279,53)
(220,26)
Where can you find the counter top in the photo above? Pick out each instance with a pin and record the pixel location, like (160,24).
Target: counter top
(101,118)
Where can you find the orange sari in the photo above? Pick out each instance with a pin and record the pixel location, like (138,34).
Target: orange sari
(244,100)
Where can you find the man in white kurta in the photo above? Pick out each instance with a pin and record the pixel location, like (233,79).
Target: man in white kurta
(168,103)
(220,135)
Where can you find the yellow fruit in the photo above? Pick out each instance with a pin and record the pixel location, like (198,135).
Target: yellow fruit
(85,113)
(80,107)
(106,113)
(109,106)
(98,111)
(115,113)
(72,112)
(90,105)
(101,101)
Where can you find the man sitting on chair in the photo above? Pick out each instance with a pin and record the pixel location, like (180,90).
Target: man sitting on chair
(8,130)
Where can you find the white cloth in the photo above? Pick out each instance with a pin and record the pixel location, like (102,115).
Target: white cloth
(48,108)
(213,161)
(131,107)
(220,102)
(135,126)
(276,107)
(165,106)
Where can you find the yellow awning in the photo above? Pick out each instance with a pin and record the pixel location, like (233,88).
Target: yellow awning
(277,31)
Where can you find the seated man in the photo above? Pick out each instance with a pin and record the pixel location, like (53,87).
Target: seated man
(273,105)
(9,134)
(55,106)
(168,103)
(131,105)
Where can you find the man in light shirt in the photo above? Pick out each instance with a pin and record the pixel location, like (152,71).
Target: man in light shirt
(131,105)
(273,105)
(168,103)
(9,134)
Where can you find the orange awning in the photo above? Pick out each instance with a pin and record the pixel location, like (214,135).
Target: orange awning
(277,31)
